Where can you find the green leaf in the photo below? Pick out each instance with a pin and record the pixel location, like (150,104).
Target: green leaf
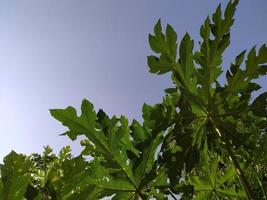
(166,46)
(84,124)
(210,55)
(159,65)
(186,69)
(239,80)
(125,130)
(105,181)
(211,178)
(124,195)
(200,185)
(14,176)
(262,56)
(121,158)
(138,132)
(1,190)
(156,42)
(232,193)
(148,157)
(203,141)
(171,38)
(259,105)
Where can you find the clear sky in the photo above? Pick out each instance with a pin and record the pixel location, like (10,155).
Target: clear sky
(55,53)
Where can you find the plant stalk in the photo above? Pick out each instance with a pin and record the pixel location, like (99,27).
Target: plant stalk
(233,158)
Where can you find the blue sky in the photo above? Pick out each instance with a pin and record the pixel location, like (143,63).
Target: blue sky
(55,53)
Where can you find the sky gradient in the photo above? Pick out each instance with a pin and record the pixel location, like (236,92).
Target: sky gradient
(55,53)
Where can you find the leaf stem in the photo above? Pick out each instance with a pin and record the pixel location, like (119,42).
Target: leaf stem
(110,189)
(172,194)
(232,157)
(262,189)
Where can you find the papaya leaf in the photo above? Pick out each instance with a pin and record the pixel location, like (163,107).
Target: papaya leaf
(166,46)
(74,182)
(210,55)
(212,179)
(186,68)
(14,176)
(238,79)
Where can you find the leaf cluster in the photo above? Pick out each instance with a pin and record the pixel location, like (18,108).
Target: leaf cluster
(205,140)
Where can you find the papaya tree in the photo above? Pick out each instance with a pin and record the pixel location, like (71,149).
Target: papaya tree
(205,140)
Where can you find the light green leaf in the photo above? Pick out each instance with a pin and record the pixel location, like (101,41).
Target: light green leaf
(14,176)
(81,125)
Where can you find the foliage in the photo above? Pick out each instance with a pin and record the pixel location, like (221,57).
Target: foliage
(205,140)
